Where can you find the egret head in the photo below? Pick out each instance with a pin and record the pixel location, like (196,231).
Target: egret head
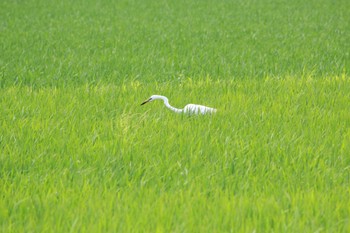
(153,97)
(150,99)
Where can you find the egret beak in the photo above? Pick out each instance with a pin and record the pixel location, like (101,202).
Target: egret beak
(145,102)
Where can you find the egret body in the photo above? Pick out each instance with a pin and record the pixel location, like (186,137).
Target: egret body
(189,108)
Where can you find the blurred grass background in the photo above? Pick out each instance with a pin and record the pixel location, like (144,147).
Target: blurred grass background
(57,43)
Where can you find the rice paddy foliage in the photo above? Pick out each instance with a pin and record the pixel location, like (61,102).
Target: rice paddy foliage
(50,43)
(274,158)
(79,154)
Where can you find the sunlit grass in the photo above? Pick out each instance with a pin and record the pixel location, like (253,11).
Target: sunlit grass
(275,157)
(79,154)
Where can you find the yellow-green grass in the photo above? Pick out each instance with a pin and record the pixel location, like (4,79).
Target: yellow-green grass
(79,154)
(274,158)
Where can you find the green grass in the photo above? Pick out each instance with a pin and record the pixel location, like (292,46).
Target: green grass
(79,153)
(50,43)
(274,158)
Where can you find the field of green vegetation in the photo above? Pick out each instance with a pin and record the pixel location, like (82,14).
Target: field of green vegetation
(79,154)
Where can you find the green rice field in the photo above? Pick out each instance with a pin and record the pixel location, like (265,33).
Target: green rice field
(79,154)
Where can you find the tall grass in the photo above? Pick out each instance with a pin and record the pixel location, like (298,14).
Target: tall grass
(274,158)
(79,154)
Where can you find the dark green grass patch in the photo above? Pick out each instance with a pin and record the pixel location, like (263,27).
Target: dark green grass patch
(58,43)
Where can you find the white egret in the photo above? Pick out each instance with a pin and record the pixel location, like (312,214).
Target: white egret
(189,108)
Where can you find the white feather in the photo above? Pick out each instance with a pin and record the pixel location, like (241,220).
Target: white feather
(188,109)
